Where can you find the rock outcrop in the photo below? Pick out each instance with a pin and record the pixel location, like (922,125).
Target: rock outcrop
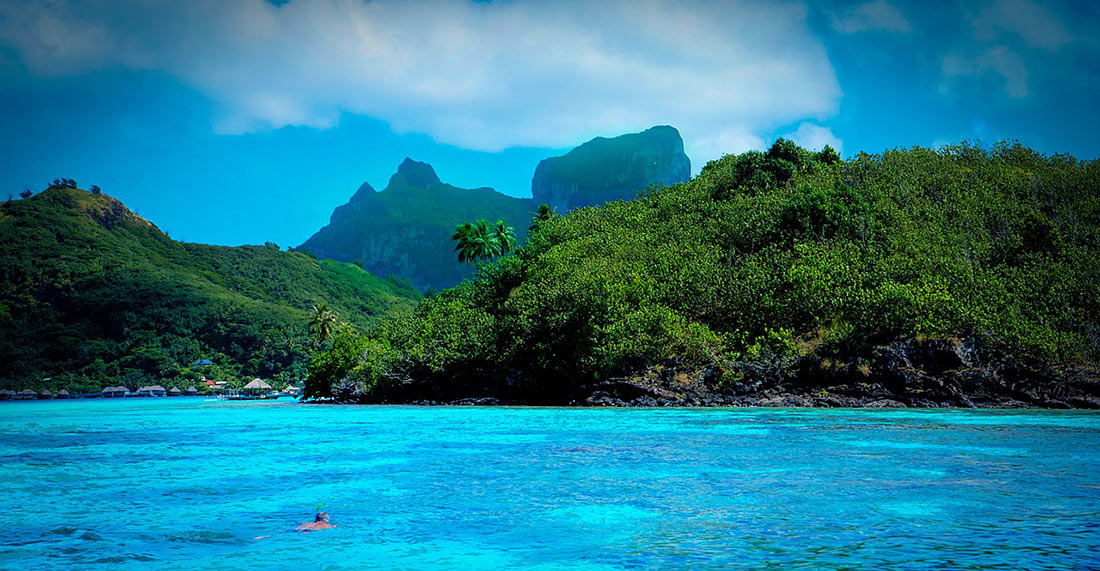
(930,373)
(603,170)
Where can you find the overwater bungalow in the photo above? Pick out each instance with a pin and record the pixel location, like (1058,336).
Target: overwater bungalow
(45,395)
(292,390)
(191,391)
(115,392)
(152,391)
(63,394)
(174,392)
(26,394)
(7,394)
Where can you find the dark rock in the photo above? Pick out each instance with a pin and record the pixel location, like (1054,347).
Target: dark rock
(909,373)
(483,401)
(885,403)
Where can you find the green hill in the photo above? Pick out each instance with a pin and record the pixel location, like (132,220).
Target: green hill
(916,276)
(92,294)
(406,229)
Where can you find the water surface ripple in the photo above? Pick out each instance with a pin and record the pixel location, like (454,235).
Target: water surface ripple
(187,483)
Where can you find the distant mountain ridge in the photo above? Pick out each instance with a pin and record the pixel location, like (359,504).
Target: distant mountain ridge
(405,229)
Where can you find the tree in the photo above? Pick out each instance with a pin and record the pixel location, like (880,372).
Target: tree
(828,155)
(473,242)
(478,242)
(95,189)
(27,193)
(63,183)
(504,238)
(543,214)
(329,367)
(323,323)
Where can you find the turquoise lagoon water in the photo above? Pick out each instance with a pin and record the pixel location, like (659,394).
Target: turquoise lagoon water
(187,484)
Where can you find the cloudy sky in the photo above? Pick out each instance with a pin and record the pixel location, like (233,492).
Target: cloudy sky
(249,120)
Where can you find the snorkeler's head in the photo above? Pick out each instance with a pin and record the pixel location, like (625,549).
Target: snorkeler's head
(321,516)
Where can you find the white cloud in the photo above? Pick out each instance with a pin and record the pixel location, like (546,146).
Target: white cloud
(1035,25)
(479,76)
(730,142)
(997,60)
(815,137)
(877,15)
(1010,38)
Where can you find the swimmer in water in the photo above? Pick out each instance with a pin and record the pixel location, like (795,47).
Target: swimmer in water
(320,521)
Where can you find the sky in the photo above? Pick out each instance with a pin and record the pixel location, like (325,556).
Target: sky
(249,121)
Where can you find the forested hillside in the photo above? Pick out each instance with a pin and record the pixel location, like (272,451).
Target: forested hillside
(92,294)
(918,275)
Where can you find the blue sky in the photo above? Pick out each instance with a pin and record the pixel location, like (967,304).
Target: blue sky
(249,121)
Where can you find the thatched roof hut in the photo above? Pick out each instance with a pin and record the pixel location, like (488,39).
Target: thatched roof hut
(6,394)
(63,394)
(118,391)
(152,391)
(27,394)
(46,394)
(257,386)
(191,391)
(174,392)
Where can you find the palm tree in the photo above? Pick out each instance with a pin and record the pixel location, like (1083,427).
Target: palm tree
(504,238)
(478,242)
(323,322)
(543,214)
(464,235)
(473,242)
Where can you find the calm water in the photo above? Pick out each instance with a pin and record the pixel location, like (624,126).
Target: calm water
(187,483)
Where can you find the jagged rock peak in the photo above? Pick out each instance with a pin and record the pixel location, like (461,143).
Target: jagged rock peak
(416,173)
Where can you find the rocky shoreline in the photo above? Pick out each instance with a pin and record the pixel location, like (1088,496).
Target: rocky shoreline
(937,373)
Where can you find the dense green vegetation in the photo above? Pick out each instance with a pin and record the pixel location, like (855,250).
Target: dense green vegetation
(477,241)
(92,294)
(761,258)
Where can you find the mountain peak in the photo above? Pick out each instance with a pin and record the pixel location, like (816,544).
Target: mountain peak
(606,169)
(416,173)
